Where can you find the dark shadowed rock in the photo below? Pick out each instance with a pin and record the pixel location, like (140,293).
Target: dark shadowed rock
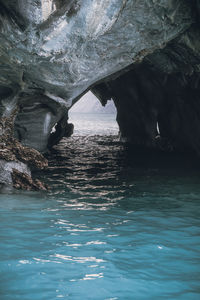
(155,109)
(22,180)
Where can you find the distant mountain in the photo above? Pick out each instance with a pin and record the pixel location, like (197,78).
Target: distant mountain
(90,104)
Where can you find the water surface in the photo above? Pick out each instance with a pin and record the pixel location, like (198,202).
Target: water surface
(113,226)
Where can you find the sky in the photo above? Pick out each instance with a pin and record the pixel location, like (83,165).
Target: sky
(90,104)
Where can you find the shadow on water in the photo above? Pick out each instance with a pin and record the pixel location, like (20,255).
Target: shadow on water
(115,224)
(99,172)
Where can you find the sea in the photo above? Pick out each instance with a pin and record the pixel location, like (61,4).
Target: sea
(115,224)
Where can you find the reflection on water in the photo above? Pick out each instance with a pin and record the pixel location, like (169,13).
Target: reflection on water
(113,226)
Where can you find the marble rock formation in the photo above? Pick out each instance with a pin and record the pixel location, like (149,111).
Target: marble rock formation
(157,100)
(16,160)
(142,53)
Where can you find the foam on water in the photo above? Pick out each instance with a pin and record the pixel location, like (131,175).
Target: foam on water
(113,225)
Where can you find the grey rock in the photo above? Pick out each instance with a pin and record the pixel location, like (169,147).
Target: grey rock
(156,109)
(36,117)
(6,171)
(62,51)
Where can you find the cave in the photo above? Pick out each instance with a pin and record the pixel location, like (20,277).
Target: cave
(147,61)
(109,215)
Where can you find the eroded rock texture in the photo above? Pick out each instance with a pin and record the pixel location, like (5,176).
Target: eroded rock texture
(16,160)
(142,53)
(158,100)
(36,117)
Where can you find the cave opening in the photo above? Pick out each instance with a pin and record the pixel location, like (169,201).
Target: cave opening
(90,117)
(104,215)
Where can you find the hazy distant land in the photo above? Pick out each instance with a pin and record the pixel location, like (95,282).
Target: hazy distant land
(90,104)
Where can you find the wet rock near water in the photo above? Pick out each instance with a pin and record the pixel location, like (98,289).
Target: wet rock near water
(17,161)
(156,110)
(6,170)
(22,180)
(12,150)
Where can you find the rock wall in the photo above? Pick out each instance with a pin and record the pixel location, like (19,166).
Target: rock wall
(158,100)
(17,161)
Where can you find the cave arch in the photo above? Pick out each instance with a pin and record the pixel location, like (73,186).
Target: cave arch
(145,57)
(90,117)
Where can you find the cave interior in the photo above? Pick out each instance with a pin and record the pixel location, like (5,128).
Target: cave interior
(157,96)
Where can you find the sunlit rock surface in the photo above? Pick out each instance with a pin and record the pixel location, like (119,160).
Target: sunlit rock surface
(61,48)
(54,51)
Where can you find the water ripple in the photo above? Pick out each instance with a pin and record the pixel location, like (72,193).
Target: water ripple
(114,225)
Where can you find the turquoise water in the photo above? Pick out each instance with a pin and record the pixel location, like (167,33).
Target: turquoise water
(113,226)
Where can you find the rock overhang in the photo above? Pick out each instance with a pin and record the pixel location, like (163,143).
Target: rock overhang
(65,53)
